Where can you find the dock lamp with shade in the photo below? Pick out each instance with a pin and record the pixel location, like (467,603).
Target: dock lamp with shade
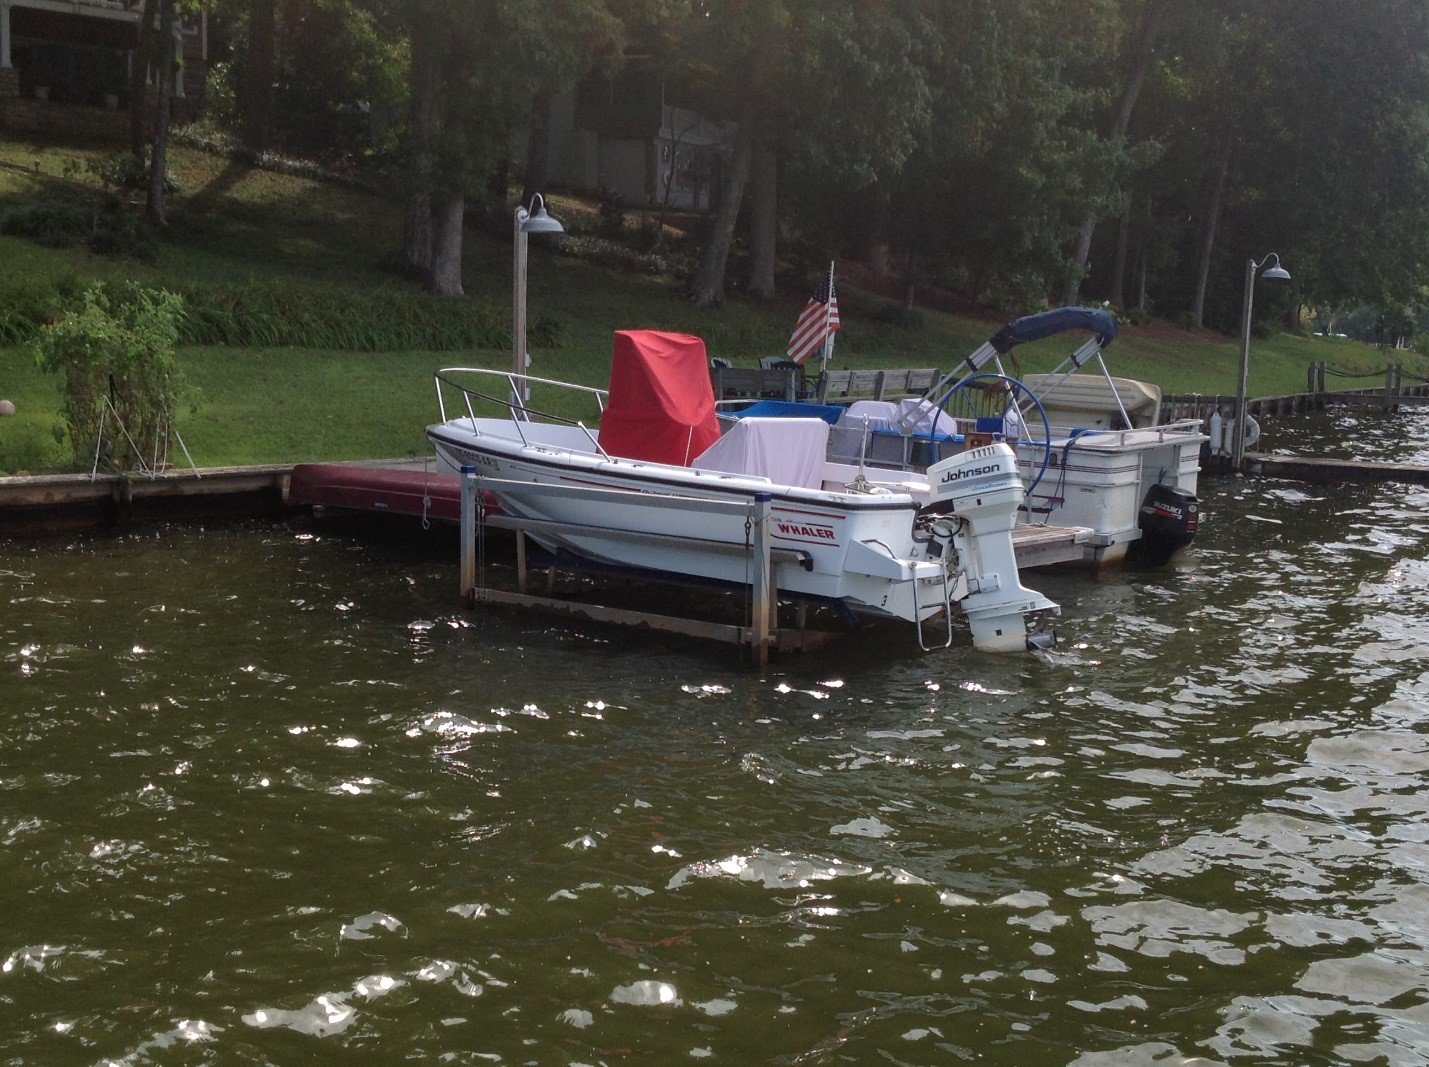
(1275,273)
(528,220)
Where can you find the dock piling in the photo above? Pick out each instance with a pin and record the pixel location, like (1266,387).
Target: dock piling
(765,598)
(468,534)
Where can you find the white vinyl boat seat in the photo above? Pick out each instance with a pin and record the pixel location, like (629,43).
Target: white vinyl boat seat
(786,451)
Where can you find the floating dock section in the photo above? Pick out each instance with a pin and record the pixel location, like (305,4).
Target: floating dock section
(1334,471)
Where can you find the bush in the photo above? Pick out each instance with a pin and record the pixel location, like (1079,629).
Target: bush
(648,234)
(122,170)
(105,226)
(272,315)
(52,223)
(898,315)
(613,254)
(1138,316)
(279,316)
(28,304)
(612,215)
(121,349)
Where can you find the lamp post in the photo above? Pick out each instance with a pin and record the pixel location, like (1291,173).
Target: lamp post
(1276,273)
(528,220)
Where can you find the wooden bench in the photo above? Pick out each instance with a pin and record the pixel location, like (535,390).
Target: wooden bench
(846,386)
(758,383)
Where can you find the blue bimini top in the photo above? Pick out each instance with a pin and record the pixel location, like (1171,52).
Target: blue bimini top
(1049,323)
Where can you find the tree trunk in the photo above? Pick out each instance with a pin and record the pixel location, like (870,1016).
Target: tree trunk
(139,77)
(708,286)
(258,85)
(424,119)
(1208,245)
(448,216)
(417,233)
(764,223)
(1117,296)
(156,210)
(1144,266)
(1147,33)
(910,282)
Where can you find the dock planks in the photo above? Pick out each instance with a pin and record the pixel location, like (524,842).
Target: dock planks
(1334,471)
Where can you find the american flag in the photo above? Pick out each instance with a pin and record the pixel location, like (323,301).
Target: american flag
(817,323)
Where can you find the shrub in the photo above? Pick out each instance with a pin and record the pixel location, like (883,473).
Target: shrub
(28,304)
(121,349)
(898,315)
(613,254)
(123,170)
(52,223)
(649,234)
(105,226)
(612,215)
(282,316)
(1138,316)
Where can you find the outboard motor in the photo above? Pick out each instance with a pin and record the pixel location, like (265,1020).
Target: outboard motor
(981,487)
(1168,521)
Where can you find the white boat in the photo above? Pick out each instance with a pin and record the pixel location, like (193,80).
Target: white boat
(657,487)
(1091,448)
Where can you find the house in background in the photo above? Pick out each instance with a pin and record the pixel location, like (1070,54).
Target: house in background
(64,66)
(620,135)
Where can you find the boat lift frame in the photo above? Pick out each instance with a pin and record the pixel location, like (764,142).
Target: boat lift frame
(762,635)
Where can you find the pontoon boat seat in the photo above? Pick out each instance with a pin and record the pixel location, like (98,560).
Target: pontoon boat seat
(1086,400)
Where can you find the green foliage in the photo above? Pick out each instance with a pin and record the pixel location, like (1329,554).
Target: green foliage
(122,171)
(276,316)
(610,253)
(103,225)
(612,213)
(115,355)
(898,315)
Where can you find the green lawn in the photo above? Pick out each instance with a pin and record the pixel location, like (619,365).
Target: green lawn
(233,224)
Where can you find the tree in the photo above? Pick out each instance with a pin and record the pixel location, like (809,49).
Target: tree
(259,76)
(139,76)
(841,85)
(477,67)
(155,209)
(1139,49)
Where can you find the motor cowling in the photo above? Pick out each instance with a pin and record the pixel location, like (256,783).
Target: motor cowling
(982,488)
(1168,519)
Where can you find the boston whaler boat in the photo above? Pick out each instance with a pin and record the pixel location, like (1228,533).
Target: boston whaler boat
(1089,446)
(657,487)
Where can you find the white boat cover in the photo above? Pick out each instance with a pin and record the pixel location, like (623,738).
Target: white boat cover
(927,415)
(886,415)
(786,451)
(879,414)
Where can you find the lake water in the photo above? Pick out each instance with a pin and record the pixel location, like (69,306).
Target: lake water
(265,795)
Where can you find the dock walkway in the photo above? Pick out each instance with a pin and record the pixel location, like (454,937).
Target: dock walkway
(1334,471)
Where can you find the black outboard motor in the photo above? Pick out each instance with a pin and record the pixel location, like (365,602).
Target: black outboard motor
(1168,521)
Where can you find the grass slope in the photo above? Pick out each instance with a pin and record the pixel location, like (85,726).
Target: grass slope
(233,225)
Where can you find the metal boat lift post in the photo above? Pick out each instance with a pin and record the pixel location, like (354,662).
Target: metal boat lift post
(761,635)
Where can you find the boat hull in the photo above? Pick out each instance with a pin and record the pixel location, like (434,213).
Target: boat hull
(677,521)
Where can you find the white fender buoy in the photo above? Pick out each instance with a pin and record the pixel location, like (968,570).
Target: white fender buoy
(1215,430)
(1252,431)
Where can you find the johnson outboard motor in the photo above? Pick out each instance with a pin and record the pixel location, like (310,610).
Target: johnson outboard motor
(980,490)
(1168,521)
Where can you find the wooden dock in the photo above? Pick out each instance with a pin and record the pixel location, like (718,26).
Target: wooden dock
(1334,471)
(397,487)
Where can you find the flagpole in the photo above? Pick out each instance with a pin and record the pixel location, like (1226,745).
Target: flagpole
(828,350)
